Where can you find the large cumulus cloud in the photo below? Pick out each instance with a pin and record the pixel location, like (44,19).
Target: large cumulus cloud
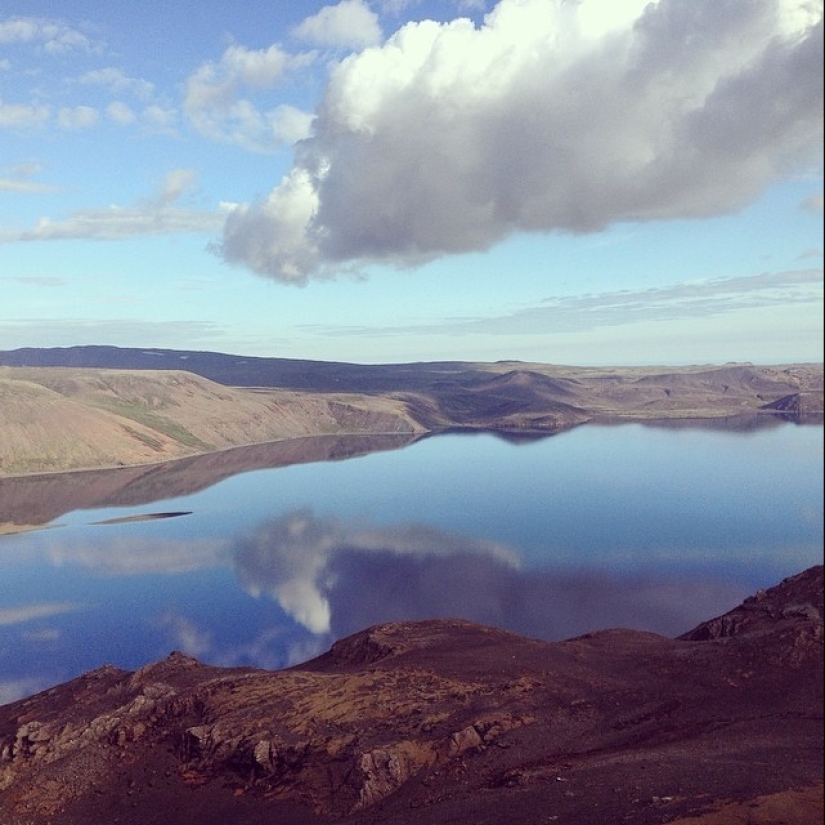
(551,116)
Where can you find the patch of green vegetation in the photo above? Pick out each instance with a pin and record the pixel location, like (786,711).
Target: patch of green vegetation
(139,413)
(150,442)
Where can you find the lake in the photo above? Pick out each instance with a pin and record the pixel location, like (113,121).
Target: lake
(646,526)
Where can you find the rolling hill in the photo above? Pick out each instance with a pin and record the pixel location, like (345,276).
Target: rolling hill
(86,407)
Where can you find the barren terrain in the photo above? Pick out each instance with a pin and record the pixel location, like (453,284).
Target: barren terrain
(56,419)
(446,721)
(98,407)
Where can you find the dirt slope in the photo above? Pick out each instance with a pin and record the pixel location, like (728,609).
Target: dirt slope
(54,419)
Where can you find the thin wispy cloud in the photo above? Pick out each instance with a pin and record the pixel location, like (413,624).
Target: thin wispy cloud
(119,82)
(117,223)
(580,313)
(158,215)
(35,280)
(19,180)
(13,689)
(30,612)
(24,187)
(117,331)
(124,556)
(52,36)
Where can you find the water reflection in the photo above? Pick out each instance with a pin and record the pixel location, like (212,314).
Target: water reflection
(142,517)
(300,560)
(335,578)
(38,499)
(311,580)
(632,526)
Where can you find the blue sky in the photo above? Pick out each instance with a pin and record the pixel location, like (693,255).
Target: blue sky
(594,182)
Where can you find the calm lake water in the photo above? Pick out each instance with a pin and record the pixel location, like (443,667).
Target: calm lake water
(651,527)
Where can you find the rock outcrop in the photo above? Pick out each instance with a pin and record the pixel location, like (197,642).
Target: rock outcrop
(442,721)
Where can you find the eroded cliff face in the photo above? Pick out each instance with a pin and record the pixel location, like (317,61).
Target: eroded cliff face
(438,721)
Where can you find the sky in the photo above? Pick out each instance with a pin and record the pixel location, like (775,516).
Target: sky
(582,182)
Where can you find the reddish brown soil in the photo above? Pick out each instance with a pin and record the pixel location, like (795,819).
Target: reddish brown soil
(446,722)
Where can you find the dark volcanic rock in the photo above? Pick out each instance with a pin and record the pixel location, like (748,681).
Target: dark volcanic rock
(445,721)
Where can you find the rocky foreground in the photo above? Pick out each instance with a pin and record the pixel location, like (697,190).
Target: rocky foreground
(446,722)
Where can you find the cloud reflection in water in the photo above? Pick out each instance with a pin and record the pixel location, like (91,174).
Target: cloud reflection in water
(295,558)
(334,578)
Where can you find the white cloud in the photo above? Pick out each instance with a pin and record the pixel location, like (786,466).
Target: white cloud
(289,125)
(396,6)
(186,635)
(117,81)
(22,115)
(136,557)
(175,185)
(54,36)
(215,105)
(349,24)
(120,113)
(213,85)
(285,252)
(551,116)
(26,186)
(77,117)
(156,216)
(160,118)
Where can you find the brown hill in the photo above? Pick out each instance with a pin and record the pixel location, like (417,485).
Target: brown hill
(446,721)
(54,419)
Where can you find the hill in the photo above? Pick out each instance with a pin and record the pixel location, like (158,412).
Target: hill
(87,407)
(446,721)
(54,419)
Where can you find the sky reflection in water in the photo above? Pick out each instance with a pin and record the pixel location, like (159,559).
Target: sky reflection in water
(636,526)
